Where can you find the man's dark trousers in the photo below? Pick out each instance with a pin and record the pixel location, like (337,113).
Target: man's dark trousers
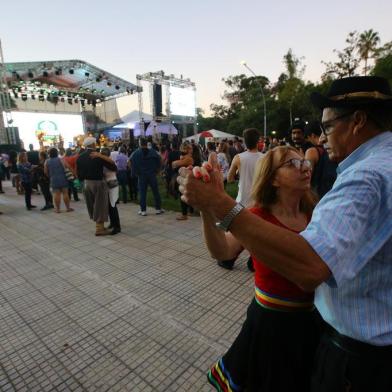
(144,181)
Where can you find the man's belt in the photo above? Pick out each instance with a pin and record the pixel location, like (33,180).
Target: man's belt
(356,347)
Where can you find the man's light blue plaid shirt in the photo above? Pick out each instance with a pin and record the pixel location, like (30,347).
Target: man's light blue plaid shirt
(351,230)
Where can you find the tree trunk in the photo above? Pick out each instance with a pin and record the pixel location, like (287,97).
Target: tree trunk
(366,60)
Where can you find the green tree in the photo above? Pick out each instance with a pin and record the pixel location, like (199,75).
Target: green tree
(367,45)
(383,67)
(348,60)
(289,89)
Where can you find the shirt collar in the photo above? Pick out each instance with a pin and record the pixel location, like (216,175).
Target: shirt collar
(363,151)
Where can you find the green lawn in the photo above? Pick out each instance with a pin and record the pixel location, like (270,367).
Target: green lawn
(171,204)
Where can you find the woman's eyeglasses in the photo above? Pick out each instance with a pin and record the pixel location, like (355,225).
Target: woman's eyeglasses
(297,163)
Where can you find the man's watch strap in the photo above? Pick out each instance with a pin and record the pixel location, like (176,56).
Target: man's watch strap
(225,223)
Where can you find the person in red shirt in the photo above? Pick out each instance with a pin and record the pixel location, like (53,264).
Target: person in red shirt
(261,144)
(275,348)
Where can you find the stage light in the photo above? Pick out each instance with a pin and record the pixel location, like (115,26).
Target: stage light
(98,79)
(86,74)
(71,71)
(102,91)
(58,71)
(24,97)
(45,74)
(117,87)
(109,84)
(30,74)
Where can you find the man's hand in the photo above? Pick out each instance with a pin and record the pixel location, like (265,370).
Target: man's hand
(201,186)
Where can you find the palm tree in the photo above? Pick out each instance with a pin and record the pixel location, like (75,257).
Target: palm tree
(367,45)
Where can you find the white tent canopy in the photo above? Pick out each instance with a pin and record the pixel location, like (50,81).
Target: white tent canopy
(211,134)
(132,120)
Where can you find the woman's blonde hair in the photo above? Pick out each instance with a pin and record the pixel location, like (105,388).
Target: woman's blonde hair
(264,193)
(224,147)
(22,157)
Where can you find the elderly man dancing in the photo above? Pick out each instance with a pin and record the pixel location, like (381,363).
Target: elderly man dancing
(90,166)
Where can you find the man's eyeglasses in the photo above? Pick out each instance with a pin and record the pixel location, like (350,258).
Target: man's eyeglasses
(297,163)
(327,126)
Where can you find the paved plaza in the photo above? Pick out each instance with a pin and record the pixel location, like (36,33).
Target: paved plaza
(145,310)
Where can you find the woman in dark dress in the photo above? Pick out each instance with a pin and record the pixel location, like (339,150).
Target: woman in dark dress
(275,348)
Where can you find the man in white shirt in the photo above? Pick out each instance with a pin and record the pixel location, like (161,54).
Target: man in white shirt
(244,164)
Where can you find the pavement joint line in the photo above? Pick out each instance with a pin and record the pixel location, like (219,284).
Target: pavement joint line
(167,297)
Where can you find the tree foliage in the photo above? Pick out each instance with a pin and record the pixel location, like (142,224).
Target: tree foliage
(367,46)
(348,60)
(288,97)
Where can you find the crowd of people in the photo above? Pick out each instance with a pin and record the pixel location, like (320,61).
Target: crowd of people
(313,212)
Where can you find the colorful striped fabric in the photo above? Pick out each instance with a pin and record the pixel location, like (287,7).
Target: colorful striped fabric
(220,378)
(275,302)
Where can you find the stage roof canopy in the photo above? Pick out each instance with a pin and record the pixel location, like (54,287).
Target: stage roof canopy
(67,77)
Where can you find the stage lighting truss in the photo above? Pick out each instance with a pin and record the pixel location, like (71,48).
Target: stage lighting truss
(91,80)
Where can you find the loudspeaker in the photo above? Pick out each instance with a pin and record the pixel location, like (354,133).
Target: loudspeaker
(157,94)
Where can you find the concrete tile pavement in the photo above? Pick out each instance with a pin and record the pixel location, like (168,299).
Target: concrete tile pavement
(145,310)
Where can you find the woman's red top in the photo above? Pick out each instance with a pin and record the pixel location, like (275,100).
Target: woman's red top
(272,290)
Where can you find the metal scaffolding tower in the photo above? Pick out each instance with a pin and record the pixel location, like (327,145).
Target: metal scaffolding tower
(5,102)
(140,101)
(168,81)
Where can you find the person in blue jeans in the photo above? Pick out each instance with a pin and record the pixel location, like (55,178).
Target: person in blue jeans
(25,170)
(146,163)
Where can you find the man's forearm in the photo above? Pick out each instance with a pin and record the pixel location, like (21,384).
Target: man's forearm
(282,250)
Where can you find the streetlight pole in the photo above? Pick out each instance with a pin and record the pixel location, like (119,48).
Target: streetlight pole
(262,94)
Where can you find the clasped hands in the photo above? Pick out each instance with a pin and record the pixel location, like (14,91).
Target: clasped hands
(200,186)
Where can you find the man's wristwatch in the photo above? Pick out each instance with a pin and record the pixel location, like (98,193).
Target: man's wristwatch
(225,223)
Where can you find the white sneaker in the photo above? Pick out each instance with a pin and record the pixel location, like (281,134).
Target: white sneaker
(158,212)
(142,213)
